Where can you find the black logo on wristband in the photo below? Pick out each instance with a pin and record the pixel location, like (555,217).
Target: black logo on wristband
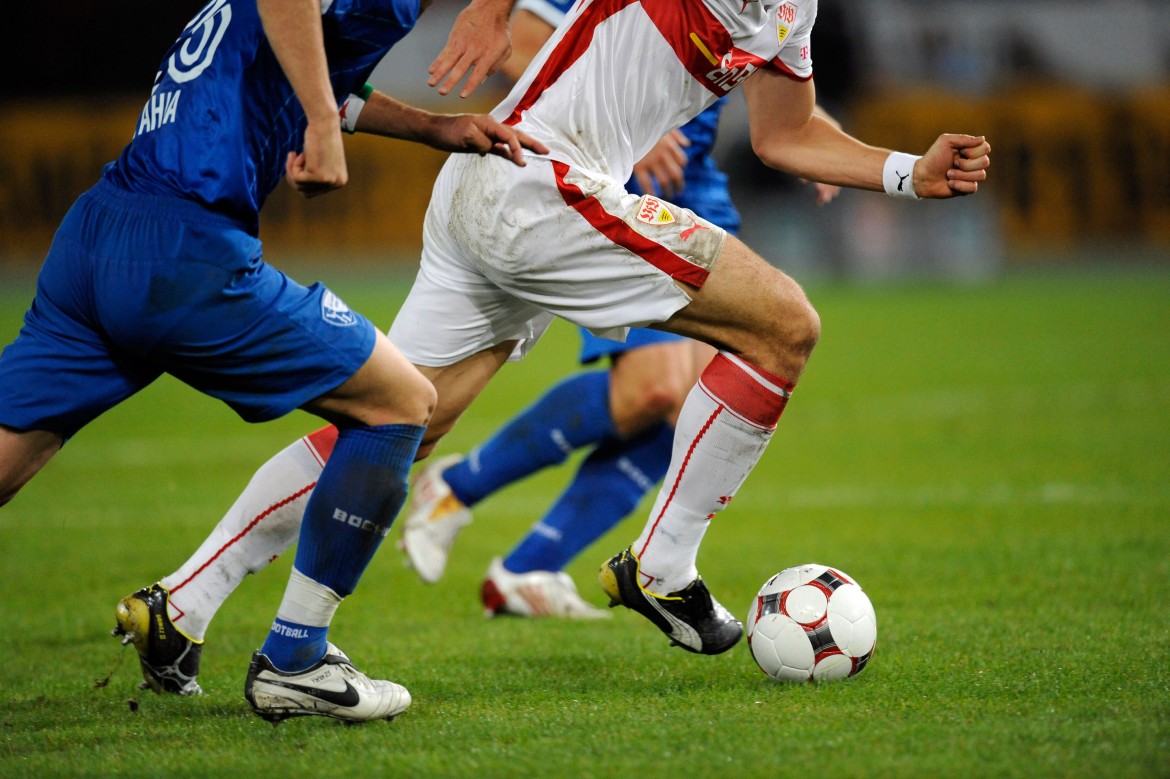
(901,179)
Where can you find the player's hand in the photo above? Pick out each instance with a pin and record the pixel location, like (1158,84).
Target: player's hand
(823,193)
(953,166)
(477,46)
(661,171)
(481,134)
(320,166)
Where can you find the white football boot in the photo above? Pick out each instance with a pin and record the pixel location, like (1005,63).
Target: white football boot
(534,594)
(332,687)
(433,520)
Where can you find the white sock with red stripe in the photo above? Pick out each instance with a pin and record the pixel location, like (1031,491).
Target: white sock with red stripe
(723,428)
(263,522)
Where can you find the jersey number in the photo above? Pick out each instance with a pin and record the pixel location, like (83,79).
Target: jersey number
(199,42)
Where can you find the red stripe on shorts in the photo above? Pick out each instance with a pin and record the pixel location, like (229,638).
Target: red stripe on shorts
(623,235)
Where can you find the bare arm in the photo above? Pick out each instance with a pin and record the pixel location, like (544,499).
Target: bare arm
(475,133)
(824,193)
(294,31)
(787,134)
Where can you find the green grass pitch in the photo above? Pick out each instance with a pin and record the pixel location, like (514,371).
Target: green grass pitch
(991,462)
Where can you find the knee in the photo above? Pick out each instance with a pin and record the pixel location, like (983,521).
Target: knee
(650,391)
(803,328)
(416,401)
(655,401)
(792,332)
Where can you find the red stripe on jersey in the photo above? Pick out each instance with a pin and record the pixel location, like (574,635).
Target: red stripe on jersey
(321,443)
(570,48)
(623,235)
(700,41)
(678,22)
(743,394)
(703,45)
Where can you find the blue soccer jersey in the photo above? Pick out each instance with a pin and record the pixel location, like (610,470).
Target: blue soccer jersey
(158,268)
(222,117)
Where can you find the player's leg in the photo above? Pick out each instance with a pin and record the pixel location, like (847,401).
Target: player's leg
(571,414)
(768,329)
(380,414)
(262,523)
(649,384)
(22,455)
(649,379)
(611,481)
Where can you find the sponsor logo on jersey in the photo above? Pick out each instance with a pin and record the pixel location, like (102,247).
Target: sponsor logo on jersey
(702,47)
(732,68)
(696,227)
(335,312)
(161,109)
(652,211)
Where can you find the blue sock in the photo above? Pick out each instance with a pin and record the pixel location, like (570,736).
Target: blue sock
(572,414)
(352,508)
(293,647)
(607,487)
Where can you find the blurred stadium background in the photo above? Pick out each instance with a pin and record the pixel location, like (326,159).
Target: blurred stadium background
(1075,97)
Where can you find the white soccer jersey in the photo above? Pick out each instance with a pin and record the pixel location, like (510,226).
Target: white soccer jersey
(617,75)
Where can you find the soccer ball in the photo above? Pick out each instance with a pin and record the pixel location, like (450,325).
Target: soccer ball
(811,622)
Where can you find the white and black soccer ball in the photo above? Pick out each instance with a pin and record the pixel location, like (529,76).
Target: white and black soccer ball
(811,622)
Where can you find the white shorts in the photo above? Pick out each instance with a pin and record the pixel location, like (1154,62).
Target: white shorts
(505,249)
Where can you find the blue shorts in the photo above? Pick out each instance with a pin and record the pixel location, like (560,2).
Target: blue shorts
(135,286)
(594,348)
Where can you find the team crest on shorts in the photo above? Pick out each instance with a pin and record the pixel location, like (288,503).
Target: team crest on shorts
(653,211)
(335,312)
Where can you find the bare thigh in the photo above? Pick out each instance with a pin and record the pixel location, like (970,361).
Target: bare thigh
(753,310)
(457,386)
(386,390)
(22,455)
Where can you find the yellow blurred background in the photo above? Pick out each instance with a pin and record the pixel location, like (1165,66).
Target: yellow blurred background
(1081,160)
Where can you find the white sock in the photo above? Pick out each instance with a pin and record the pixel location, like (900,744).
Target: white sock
(263,522)
(724,426)
(307,602)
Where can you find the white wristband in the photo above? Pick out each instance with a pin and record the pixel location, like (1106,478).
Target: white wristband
(898,175)
(350,110)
